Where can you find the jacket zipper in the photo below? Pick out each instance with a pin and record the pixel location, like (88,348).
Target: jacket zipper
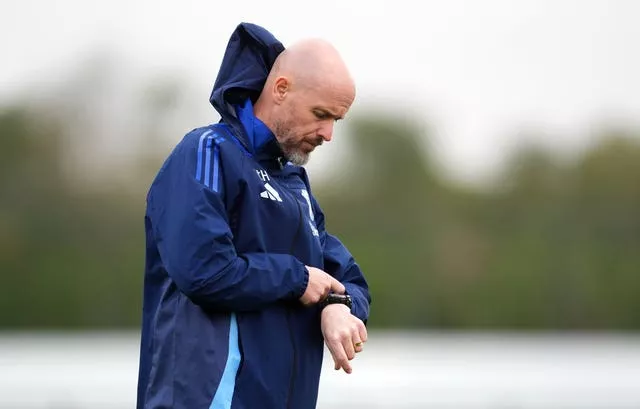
(293,344)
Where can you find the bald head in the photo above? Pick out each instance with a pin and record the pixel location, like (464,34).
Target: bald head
(312,63)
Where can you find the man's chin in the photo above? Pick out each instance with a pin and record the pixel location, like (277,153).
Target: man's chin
(298,158)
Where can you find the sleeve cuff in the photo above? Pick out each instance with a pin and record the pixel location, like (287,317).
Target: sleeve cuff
(302,287)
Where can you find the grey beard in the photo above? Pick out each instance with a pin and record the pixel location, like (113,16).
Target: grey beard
(293,155)
(296,157)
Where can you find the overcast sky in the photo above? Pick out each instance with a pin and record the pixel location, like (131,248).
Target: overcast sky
(476,71)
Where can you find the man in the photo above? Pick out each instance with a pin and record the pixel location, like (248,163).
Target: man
(243,284)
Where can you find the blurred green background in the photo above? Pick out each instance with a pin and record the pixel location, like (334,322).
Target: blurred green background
(553,243)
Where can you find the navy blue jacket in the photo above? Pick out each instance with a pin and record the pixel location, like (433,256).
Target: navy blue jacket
(230,226)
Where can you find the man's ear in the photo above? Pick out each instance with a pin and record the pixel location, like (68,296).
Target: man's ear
(280,89)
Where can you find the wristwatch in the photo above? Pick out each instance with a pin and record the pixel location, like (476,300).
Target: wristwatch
(336,299)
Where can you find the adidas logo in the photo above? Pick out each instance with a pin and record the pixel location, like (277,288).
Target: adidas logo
(270,193)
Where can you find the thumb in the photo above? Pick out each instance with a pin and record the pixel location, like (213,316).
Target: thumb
(337,287)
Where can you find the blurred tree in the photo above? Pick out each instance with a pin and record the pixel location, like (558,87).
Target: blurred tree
(555,248)
(68,257)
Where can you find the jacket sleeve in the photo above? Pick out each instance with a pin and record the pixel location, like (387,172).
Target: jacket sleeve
(195,242)
(340,263)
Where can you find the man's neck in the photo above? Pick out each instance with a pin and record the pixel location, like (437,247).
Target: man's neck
(263,114)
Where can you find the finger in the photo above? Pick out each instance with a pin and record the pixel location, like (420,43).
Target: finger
(325,293)
(339,356)
(362,331)
(337,286)
(346,366)
(358,343)
(341,361)
(336,366)
(349,347)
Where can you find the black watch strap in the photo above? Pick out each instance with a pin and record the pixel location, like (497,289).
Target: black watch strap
(336,299)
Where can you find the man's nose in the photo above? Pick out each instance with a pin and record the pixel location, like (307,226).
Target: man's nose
(326,131)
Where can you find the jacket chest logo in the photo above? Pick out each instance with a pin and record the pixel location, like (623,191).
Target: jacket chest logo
(269,192)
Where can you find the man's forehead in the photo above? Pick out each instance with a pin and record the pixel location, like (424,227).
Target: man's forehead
(334,90)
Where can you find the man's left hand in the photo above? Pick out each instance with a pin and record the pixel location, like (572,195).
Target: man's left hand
(344,334)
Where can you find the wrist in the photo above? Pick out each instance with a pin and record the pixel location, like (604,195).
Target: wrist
(336,307)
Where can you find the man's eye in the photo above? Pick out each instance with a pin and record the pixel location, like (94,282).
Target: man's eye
(321,115)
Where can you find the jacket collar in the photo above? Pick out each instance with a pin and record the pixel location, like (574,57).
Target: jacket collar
(263,144)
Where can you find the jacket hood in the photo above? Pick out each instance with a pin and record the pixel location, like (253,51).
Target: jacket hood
(249,56)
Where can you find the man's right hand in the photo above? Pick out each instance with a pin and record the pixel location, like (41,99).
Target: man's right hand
(319,286)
